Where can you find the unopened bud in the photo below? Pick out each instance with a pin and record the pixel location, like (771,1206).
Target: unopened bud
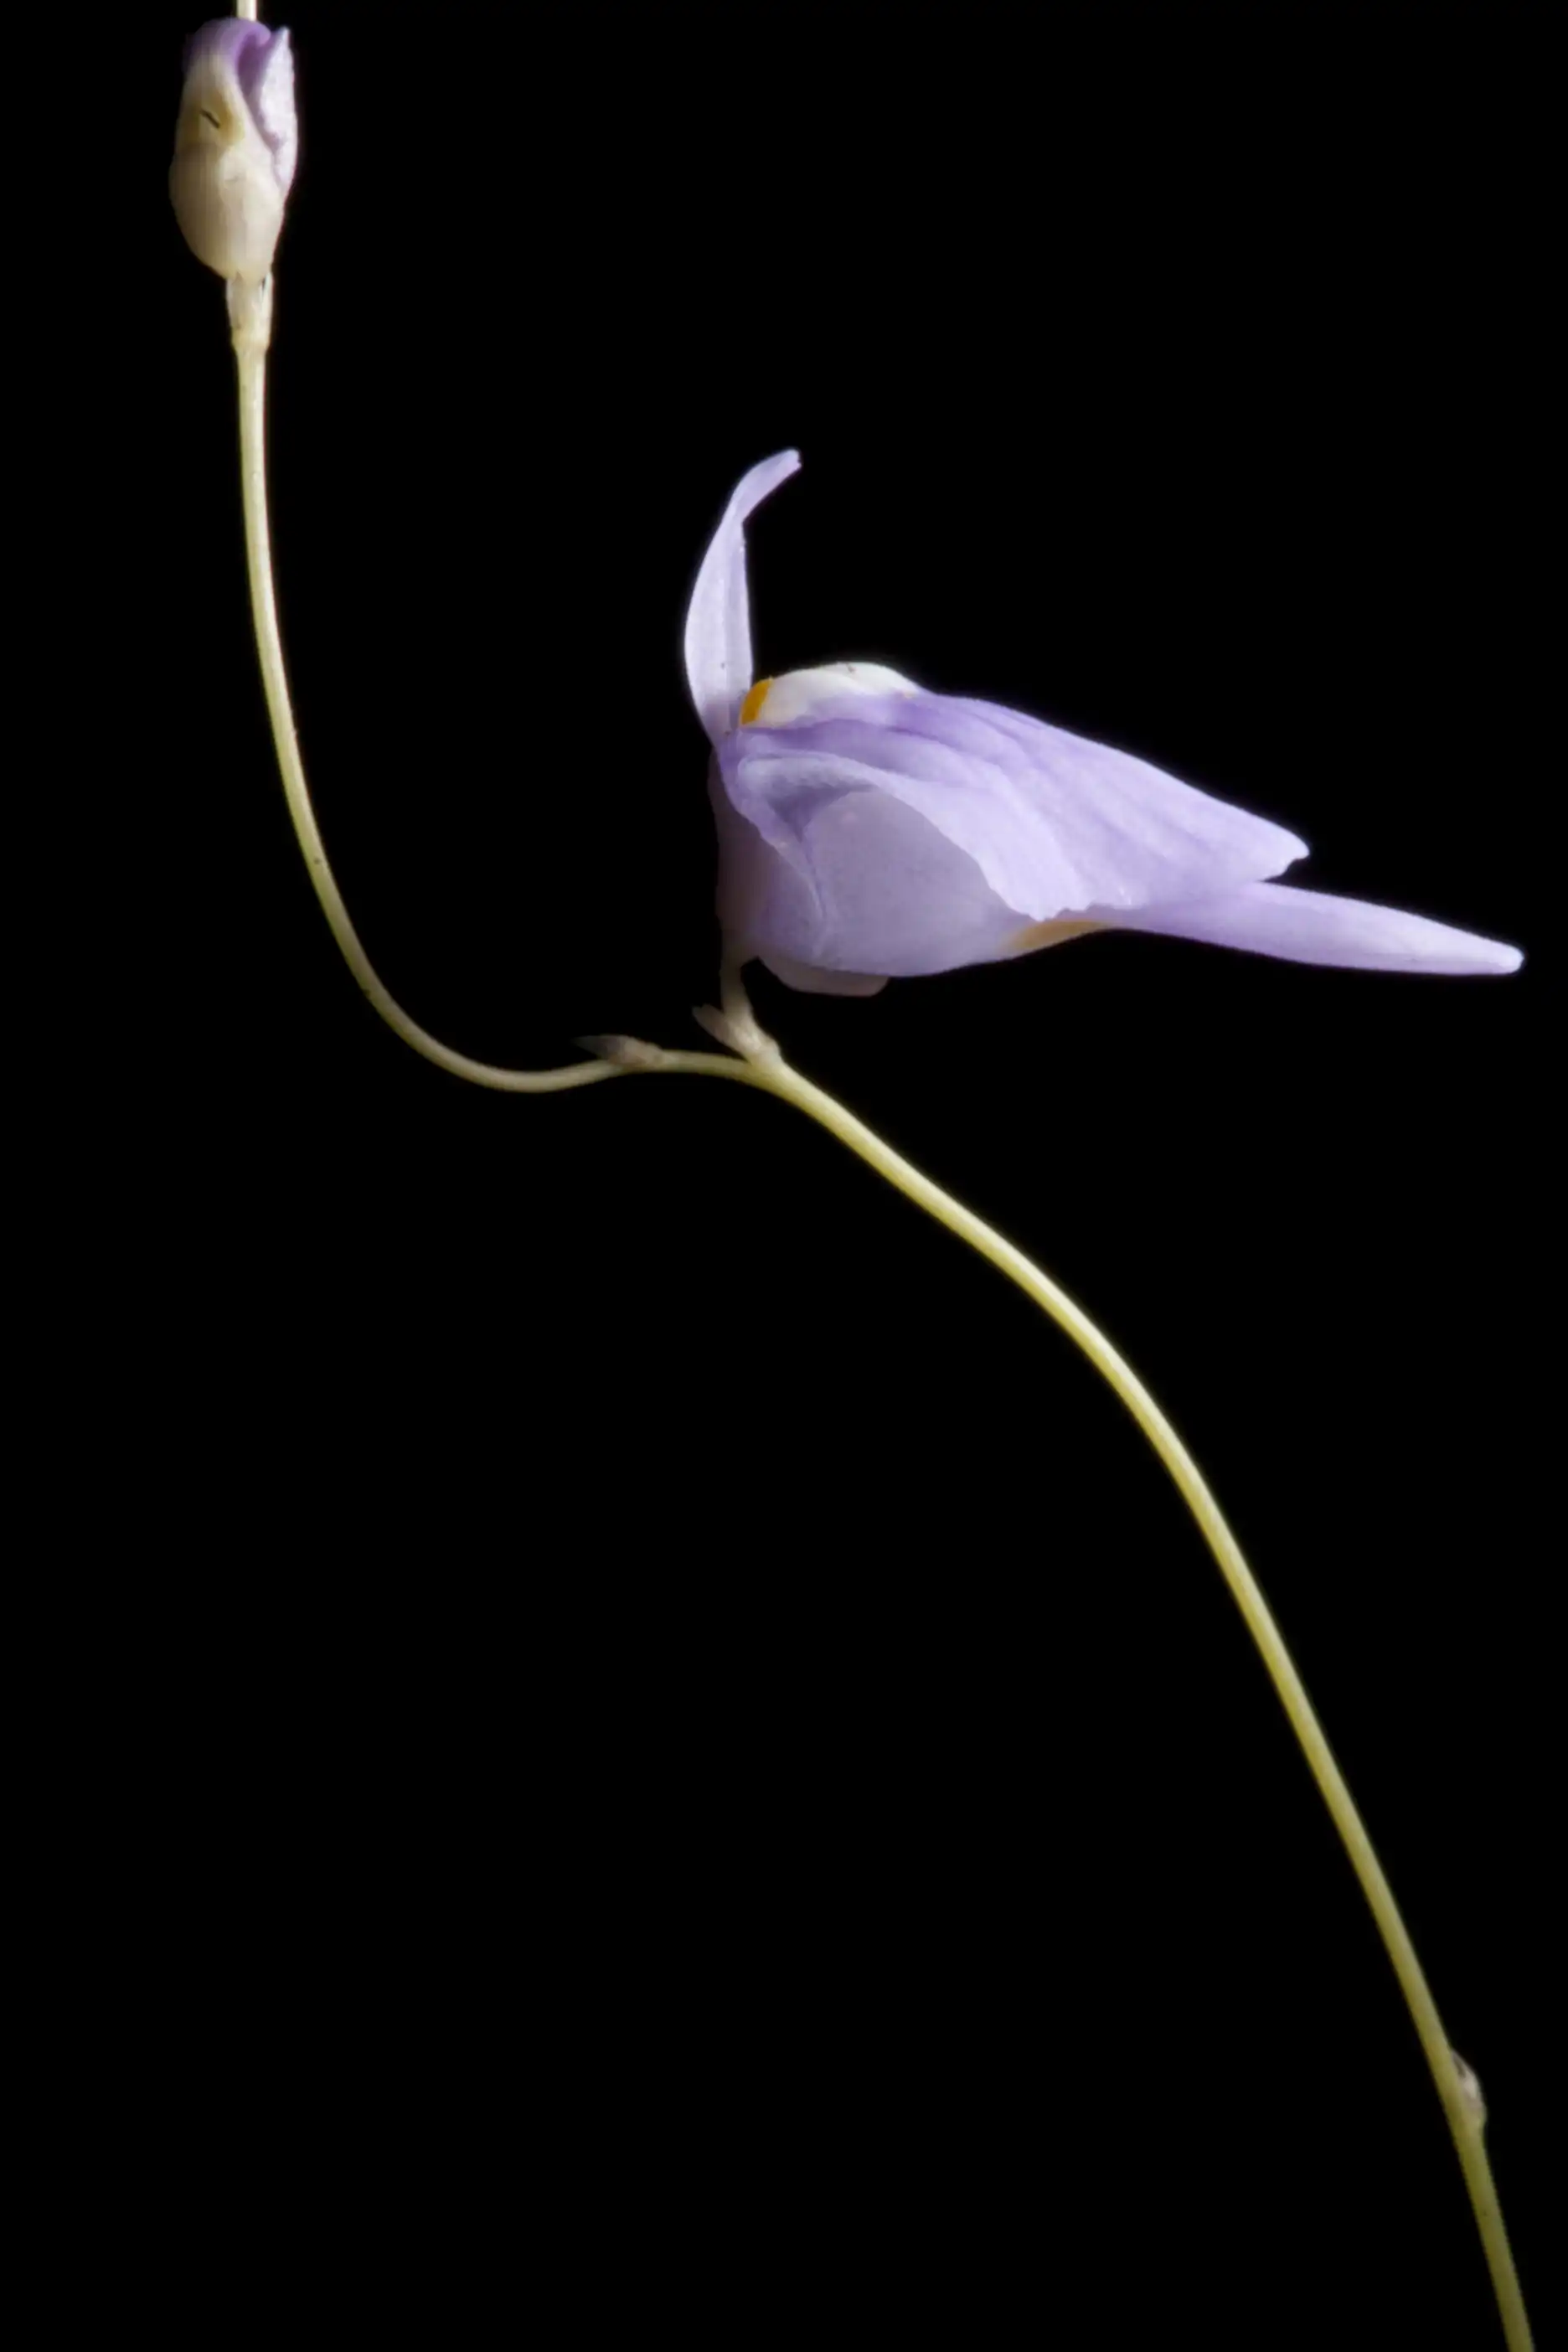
(234,145)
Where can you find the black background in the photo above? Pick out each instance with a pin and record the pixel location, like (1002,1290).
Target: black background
(707,1760)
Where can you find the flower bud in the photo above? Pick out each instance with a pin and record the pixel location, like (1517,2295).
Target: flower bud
(234,146)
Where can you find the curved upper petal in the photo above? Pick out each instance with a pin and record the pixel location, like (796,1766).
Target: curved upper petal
(718,619)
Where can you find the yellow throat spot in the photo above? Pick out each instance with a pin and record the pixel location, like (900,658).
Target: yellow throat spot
(750,709)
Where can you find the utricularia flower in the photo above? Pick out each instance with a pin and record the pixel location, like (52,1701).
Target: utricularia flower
(869,830)
(235,145)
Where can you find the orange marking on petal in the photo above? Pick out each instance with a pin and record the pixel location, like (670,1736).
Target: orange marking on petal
(752,706)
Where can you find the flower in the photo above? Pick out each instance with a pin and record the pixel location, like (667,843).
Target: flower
(235,144)
(869,830)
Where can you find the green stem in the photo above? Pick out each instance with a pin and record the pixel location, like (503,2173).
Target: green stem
(1455,2085)
(251,318)
(759,1063)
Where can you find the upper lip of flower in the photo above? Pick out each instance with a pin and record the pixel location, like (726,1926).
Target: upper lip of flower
(718,619)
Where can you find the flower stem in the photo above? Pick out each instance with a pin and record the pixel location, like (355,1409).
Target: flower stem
(1457,2088)
(759,1063)
(251,318)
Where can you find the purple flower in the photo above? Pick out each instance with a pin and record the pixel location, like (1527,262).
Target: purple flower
(869,830)
(235,145)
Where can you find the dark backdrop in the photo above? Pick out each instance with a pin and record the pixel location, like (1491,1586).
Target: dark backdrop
(710,1760)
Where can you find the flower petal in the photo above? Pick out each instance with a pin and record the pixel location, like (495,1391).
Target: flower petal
(261,64)
(718,619)
(224,42)
(1309,927)
(267,77)
(1056,825)
(870,885)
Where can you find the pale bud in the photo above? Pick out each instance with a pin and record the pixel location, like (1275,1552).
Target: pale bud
(234,146)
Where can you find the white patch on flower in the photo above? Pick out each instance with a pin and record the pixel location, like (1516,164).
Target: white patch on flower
(275,108)
(801,693)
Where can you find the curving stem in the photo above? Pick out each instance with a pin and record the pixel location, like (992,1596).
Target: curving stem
(1456,2085)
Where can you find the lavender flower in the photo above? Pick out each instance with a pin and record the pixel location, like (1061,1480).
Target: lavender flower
(235,144)
(869,830)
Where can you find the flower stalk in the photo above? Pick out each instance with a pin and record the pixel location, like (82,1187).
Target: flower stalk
(1457,2088)
(250,358)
